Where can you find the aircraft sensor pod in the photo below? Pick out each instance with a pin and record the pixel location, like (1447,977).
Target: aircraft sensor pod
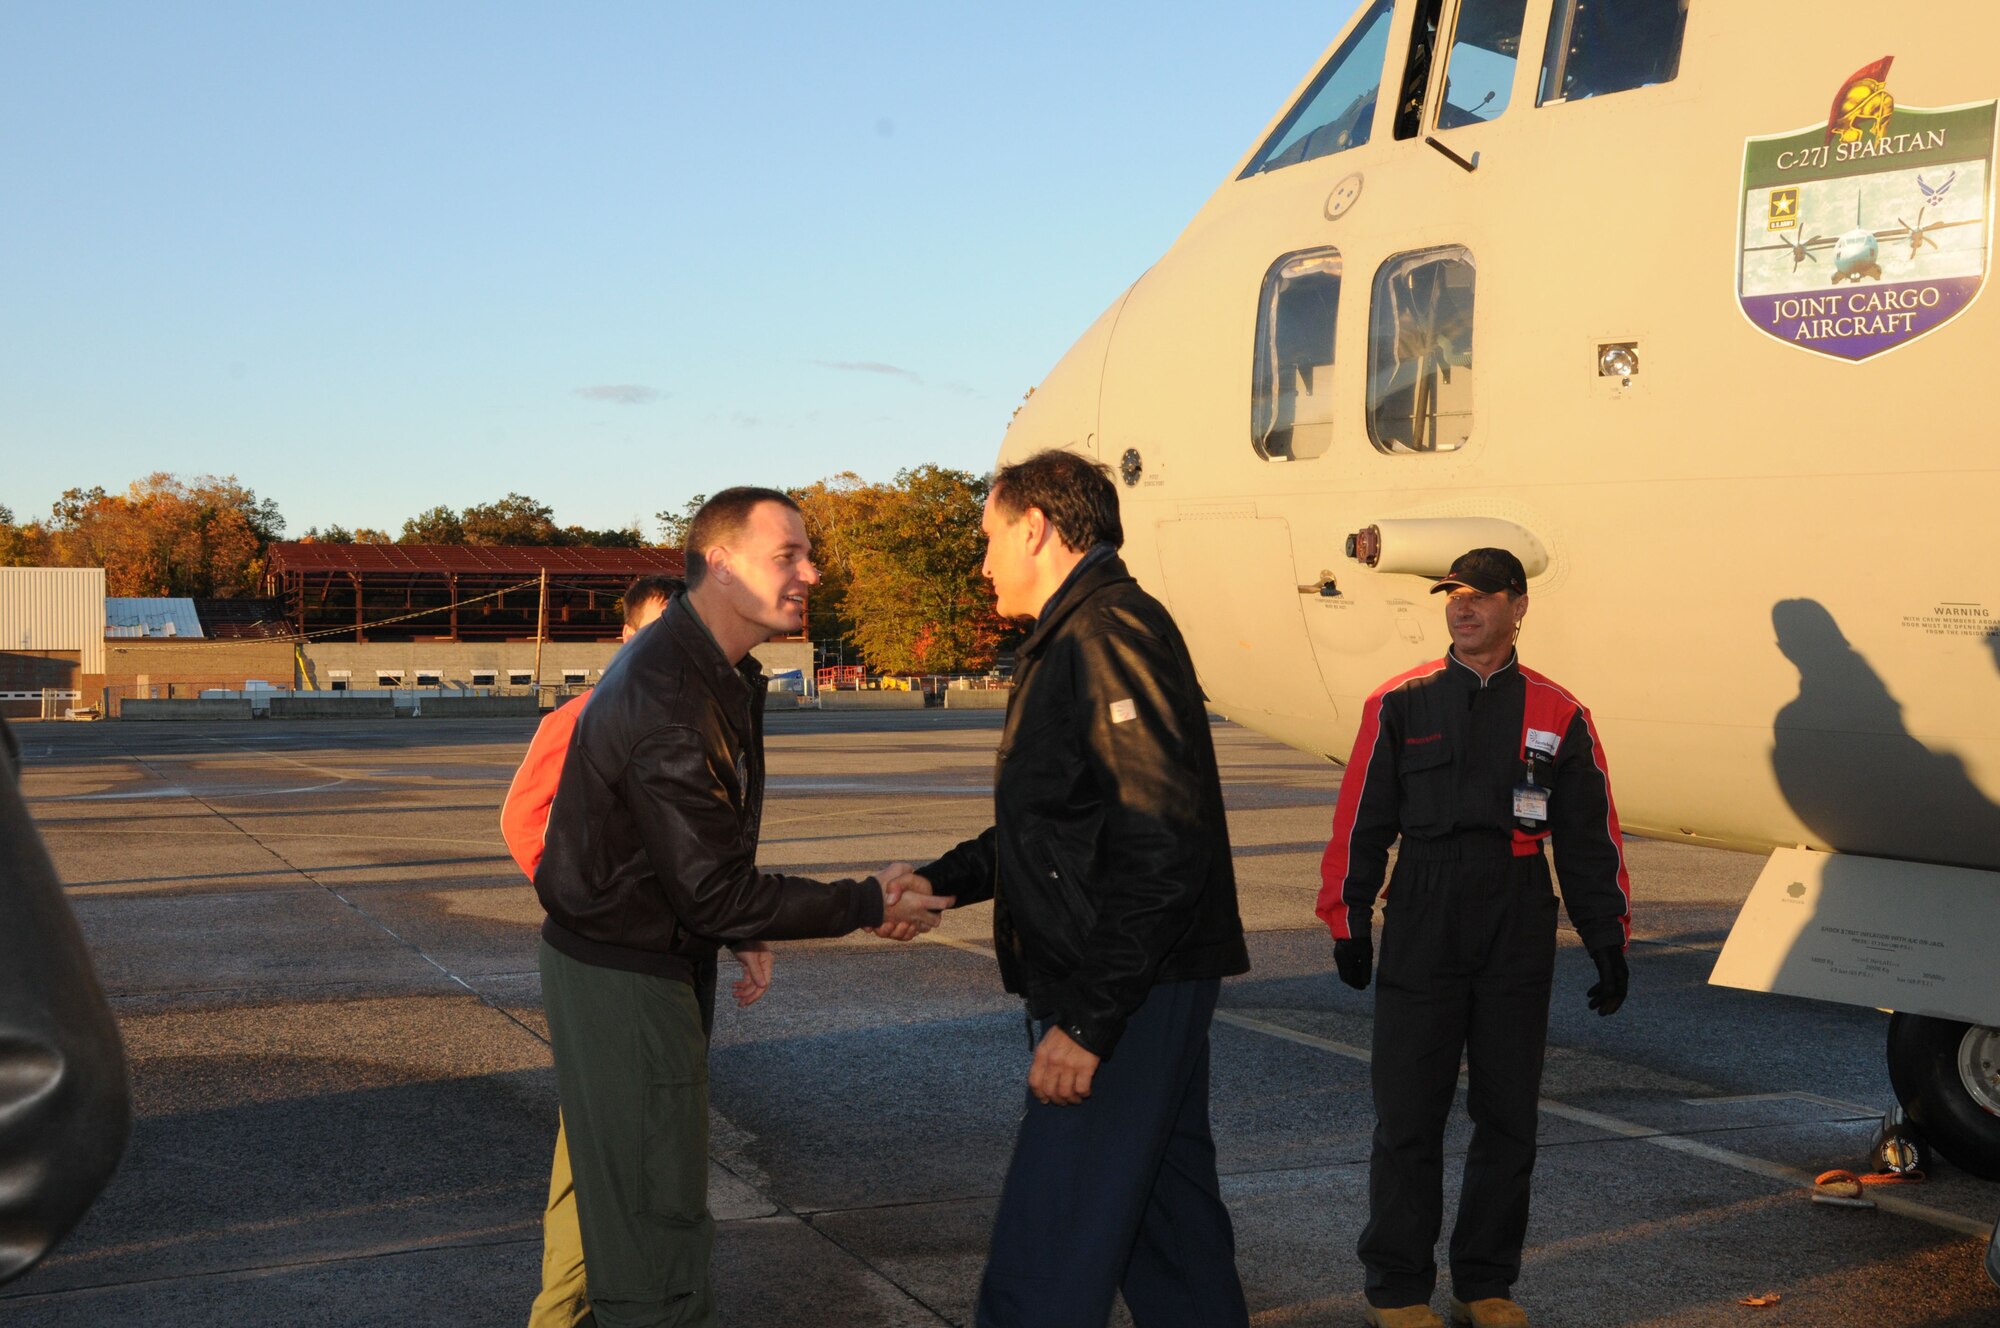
(1426,546)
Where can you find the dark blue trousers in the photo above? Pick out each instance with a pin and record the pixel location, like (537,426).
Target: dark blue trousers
(1119,1193)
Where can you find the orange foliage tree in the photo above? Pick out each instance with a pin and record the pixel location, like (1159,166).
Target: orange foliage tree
(203,537)
(904,560)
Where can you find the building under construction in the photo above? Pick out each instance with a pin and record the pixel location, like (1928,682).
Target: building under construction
(455,592)
(337,618)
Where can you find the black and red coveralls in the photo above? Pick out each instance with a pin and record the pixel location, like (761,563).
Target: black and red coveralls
(1468,945)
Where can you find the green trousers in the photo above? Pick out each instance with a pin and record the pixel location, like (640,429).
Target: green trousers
(632,1069)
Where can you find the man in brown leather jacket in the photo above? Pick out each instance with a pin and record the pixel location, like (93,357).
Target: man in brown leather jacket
(649,863)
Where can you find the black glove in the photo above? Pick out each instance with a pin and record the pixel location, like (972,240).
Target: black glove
(1612,979)
(1355,958)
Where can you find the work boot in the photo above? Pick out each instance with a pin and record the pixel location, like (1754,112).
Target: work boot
(1403,1316)
(1489,1312)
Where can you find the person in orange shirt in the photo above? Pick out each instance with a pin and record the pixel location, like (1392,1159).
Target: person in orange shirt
(564,1301)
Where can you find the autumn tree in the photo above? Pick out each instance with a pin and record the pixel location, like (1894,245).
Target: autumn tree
(433,525)
(674,525)
(836,510)
(624,537)
(516,519)
(204,537)
(913,589)
(21,545)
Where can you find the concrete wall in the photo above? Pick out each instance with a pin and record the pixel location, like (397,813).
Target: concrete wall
(987,698)
(382,706)
(454,660)
(477,707)
(178,709)
(832,700)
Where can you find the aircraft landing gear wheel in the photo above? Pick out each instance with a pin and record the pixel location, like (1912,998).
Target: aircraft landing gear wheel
(1947,1076)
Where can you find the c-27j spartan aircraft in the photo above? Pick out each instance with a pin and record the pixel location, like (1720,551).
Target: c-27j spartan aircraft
(1679,301)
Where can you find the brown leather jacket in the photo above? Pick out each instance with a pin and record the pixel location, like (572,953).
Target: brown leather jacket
(649,862)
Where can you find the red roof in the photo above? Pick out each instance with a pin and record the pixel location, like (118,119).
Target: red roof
(509,559)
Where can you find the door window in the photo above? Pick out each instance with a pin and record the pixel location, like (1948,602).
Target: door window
(1291,402)
(1420,352)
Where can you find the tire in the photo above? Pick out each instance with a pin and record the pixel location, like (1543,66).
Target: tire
(1947,1076)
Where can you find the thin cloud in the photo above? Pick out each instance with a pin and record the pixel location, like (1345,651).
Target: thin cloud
(621,394)
(871,367)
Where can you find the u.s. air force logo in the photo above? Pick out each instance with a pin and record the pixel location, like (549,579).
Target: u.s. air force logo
(1863,233)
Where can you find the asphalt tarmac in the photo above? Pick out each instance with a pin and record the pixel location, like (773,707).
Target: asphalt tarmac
(324,966)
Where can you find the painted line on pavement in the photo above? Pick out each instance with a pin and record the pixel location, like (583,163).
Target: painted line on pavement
(1595,1120)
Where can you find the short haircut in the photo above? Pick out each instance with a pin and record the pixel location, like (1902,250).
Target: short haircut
(652,586)
(719,519)
(1072,491)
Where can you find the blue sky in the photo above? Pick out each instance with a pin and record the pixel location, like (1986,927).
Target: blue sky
(374,257)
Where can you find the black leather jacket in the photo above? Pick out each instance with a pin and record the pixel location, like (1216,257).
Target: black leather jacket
(64,1106)
(1108,862)
(649,862)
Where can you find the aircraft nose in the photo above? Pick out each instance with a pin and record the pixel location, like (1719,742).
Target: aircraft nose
(1061,410)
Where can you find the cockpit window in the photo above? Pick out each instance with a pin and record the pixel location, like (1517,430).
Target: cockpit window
(1291,399)
(1479,72)
(1420,352)
(1595,48)
(1336,111)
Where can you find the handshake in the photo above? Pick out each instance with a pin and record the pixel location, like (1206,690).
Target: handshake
(909,909)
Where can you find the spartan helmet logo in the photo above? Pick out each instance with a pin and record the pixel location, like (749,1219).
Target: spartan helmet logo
(1864,112)
(1863,106)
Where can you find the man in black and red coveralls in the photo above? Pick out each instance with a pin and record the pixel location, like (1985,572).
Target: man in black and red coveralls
(1472,761)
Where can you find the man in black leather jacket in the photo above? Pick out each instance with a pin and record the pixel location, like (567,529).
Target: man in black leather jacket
(65,1109)
(649,862)
(1114,916)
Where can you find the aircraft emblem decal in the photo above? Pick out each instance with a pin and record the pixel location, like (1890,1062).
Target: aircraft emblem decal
(1862,233)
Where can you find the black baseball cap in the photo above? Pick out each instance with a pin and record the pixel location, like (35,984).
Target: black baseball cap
(1487,571)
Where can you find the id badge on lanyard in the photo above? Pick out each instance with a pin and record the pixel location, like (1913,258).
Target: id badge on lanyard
(1531,802)
(1531,795)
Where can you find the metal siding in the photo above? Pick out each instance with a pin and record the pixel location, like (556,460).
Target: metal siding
(150,618)
(54,608)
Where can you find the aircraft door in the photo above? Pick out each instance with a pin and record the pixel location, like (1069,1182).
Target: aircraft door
(1229,581)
